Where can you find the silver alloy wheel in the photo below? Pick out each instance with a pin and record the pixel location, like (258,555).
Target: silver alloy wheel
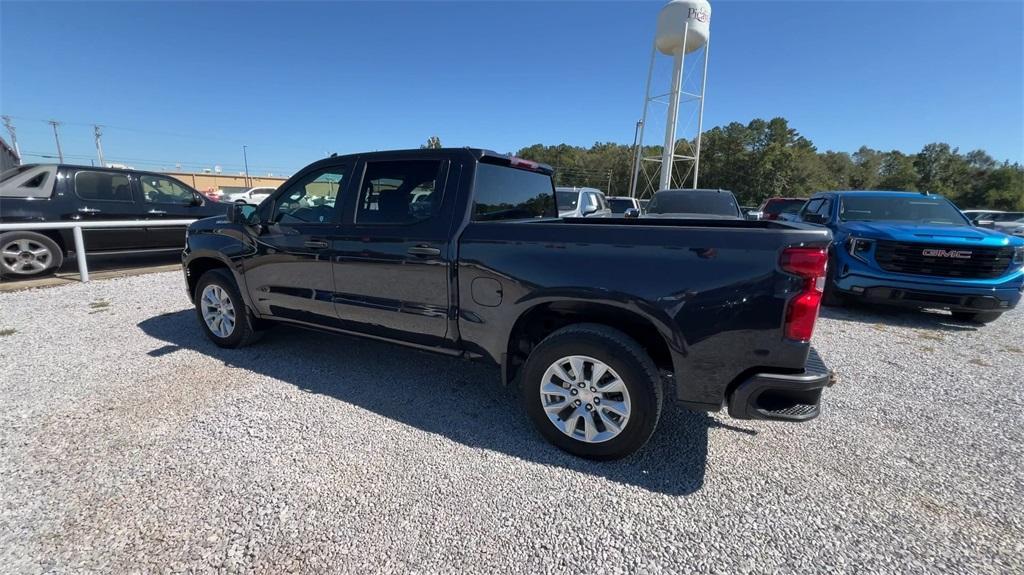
(25,257)
(585,399)
(218,311)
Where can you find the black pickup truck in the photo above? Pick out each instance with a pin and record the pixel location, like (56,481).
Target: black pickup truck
(460,251)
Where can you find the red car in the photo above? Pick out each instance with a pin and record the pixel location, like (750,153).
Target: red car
(781,208)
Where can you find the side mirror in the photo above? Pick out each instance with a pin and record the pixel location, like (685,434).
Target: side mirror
(589,210)
(197,200)
(813,218)
(985,223)
(243,214)
(631,213)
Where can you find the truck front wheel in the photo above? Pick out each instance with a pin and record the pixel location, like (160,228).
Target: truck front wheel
(592,391)
(222,312)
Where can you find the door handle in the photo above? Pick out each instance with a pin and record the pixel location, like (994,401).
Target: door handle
(156,212)
(316,244)
(89,210)
(424,251)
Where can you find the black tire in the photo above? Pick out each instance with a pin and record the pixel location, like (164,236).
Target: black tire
(14,266)
(244,331)
(977,316)
(831,297)
(623,355)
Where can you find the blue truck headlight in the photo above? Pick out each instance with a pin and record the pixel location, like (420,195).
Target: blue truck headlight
(1018,255)
(859,247)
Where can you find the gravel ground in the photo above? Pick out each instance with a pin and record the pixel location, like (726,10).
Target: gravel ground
(128,443)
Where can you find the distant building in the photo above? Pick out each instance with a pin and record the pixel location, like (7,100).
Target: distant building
(207,182)
(8,157)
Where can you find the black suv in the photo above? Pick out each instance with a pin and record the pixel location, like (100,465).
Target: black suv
(63,193)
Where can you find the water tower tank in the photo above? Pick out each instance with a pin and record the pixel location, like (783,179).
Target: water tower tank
(672,21)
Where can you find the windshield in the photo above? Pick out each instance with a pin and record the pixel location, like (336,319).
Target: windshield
(567,200)
(620,206)
(1005,217)
(693,202)
(783,206)
(909,208)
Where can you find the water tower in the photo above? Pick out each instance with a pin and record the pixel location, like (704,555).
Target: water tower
(683,28)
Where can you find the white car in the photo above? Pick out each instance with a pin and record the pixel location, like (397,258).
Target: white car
(581,203)
(250,196)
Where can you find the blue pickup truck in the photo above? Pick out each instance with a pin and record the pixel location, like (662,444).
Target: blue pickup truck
(916,250)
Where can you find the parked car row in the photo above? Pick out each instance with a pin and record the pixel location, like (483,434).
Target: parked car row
(67,193)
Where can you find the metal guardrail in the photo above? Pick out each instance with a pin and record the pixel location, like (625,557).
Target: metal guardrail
(77,227)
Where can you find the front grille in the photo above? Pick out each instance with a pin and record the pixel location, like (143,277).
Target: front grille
(910,258)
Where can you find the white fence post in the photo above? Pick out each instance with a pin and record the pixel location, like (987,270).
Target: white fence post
(77,227)
(83,266)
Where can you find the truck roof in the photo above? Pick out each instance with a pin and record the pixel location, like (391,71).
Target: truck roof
(475,153)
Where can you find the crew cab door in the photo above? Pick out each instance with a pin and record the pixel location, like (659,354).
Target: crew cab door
(104,195)
(288,274)
(391,271)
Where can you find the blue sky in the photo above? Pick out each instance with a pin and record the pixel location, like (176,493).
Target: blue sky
(191,82)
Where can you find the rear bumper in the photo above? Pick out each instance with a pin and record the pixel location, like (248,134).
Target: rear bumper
(782,397)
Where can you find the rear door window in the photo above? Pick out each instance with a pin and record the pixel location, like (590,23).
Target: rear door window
(400,192)
(103,186)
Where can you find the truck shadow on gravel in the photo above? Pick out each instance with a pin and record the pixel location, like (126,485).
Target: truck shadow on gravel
(898,317)
(461,400)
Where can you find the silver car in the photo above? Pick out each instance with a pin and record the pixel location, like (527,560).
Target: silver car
(582,203)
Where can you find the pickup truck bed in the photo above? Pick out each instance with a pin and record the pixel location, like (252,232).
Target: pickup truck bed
(459,252)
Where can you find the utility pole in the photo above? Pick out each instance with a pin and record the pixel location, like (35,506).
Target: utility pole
(56,136)
(14,136)
(98,132)
(245,157)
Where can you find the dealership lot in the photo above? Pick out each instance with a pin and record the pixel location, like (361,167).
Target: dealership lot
(129,442)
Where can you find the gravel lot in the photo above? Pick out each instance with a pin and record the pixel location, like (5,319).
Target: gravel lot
(129,443)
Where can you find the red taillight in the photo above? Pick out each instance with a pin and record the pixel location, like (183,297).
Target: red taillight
(802,311)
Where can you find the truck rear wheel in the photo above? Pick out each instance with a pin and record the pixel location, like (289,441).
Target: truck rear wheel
(592,391)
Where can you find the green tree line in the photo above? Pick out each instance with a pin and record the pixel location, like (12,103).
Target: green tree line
(767,158)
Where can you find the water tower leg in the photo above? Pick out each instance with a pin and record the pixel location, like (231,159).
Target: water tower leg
(700,115)
(669,152)
(639,143)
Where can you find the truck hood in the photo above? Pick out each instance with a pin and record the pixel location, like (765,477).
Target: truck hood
(911,232)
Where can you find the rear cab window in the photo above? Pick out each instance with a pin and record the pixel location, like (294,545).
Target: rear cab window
(28,182)
(783,206)
(695,202)
(507,193)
